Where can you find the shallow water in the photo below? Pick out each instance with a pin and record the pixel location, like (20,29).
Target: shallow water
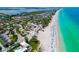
(68,22)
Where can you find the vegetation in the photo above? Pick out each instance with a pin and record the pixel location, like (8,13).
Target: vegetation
(13,36)
(1,41)
(34,43)
(0,48)
(26,39)
(45,22)
(15,46)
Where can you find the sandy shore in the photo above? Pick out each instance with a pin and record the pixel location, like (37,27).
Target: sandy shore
(49,39)
(45,38)
(56,36)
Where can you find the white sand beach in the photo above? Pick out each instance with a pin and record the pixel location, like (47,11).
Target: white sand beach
(45,38)
(56,36)
(49,39)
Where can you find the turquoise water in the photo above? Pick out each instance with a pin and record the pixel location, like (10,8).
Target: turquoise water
(68,22)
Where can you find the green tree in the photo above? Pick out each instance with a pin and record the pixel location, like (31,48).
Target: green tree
(34,43)
(26,39)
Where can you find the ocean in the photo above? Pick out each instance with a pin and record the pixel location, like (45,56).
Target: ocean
(68,23)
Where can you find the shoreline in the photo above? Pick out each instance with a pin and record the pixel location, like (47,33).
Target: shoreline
(49,39)
(45,38)
(57,34)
